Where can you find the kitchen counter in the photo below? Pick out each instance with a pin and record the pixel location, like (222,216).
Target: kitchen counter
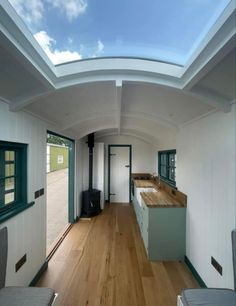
(144,184)
(161,217)
(160,197)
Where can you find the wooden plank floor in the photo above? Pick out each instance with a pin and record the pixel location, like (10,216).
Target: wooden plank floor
(103,262)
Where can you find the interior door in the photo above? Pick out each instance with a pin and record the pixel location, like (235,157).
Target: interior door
(120,164)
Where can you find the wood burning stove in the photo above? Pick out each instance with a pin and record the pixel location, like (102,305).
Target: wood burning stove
(91,197)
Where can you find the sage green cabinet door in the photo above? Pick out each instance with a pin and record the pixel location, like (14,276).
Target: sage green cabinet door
(167,233)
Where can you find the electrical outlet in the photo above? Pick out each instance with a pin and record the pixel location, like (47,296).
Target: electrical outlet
(216,265)
(37,194)
(20,263)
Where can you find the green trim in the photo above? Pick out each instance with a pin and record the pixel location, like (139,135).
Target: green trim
(195,273)
(109,167)
(168,183)
(76,220)
(20,179)
(166,179)
(14,210)
(59,135)
(109,175)
(71,181)
(2,177)
(39,274)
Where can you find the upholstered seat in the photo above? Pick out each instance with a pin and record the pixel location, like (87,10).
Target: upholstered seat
(26,296)
(19,296)
(209,297)
(212,296)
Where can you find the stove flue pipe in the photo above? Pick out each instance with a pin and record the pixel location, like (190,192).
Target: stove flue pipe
(91,146)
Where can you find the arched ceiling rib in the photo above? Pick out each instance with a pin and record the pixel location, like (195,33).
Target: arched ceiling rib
(149,130)
(90,126)
(72,107)
(152,141)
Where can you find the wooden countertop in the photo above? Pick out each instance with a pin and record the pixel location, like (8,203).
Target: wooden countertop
(160,198)
(144,184)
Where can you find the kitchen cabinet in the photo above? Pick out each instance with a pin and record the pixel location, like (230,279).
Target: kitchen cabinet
(162,228)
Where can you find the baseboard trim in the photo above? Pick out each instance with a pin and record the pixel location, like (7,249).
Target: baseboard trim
(39,274)
(195,273)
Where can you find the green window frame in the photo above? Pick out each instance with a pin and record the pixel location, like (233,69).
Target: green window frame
(167,166)
(13,179)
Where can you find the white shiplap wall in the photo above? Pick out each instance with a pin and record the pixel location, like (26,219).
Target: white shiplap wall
(206,166)
(98,168)
(27,230)
(79,176)
(144,156)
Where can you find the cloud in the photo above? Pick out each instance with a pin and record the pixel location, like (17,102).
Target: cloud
(100,46)
(70,40)
(99,49)
(31,11)
(72,8)
(55,55)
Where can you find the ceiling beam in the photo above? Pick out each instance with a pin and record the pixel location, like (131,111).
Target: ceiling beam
(4,100)
(87,121)
(151,140)
(200,72)
(215,46)
(152,117)
(18,105)
(211,98)
(119,85)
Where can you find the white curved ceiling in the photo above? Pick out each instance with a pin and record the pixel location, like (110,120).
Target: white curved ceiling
(144,98)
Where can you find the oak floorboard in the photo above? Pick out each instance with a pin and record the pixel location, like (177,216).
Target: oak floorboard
(102,262)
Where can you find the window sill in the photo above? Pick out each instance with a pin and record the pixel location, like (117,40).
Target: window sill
(5,215)
(171,184)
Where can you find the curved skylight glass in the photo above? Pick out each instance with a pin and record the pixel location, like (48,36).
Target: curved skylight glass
(168,31)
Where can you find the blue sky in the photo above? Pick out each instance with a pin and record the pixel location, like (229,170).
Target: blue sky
(157,29)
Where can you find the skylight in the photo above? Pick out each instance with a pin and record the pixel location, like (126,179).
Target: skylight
(168,31)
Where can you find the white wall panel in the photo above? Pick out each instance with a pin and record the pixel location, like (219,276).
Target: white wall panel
(206,166)
(98,168)
(144,156)
(79,176)
(27,230)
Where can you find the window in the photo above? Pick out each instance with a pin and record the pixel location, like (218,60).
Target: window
(73,29)
(13,174)
(167,166)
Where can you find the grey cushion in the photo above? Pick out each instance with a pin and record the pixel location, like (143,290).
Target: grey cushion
(234,255)
(26,296)
(208,297)
(3,256)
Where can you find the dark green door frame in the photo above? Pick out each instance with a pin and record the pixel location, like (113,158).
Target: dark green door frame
(71,177)
(109,167)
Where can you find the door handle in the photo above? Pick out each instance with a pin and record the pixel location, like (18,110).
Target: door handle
(127,166)
(112,194)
